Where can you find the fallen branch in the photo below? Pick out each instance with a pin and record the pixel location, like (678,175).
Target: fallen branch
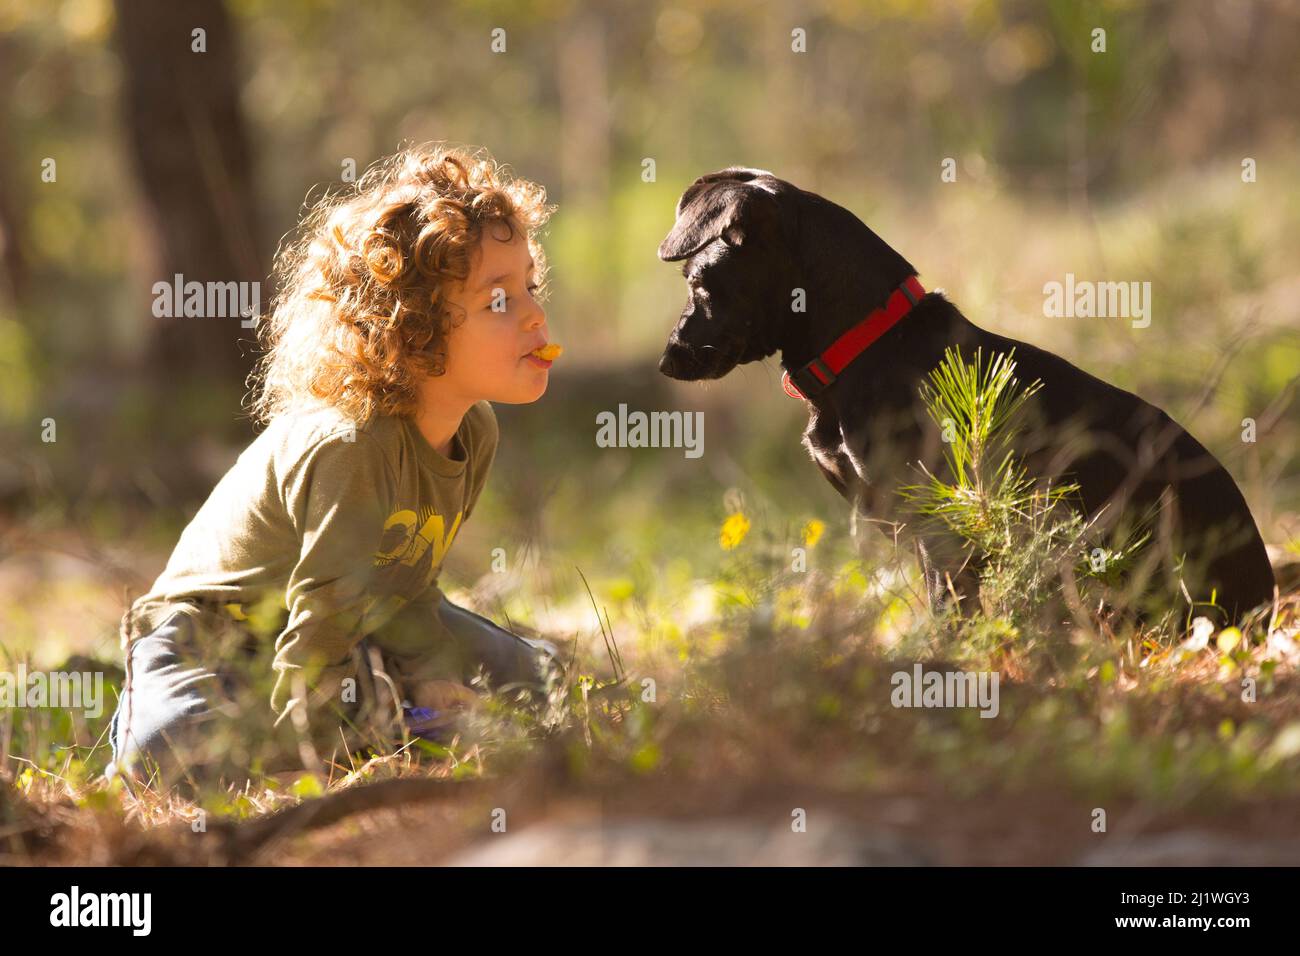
(242,841)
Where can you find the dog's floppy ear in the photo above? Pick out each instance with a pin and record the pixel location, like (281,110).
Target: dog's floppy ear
(723,204)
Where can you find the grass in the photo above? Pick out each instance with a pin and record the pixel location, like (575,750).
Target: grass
(785,682)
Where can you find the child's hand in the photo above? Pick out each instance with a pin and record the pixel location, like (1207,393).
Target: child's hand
(438,703)
(322,690)
(328,687)
(442,695)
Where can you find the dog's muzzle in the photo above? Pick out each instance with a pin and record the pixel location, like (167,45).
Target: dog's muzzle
(688,364)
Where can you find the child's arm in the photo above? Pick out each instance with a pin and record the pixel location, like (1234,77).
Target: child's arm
(337,497)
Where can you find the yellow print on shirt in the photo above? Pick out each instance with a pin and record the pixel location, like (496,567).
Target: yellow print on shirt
(409,556)
(413,547)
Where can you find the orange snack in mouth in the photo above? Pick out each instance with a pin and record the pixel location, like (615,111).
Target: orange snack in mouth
(548,353)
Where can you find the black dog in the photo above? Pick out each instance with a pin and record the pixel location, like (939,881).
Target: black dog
(756,246)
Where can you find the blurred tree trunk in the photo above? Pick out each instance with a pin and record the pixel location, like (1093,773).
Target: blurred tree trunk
(585,117)
(190,147)
(582,82)
(12,264)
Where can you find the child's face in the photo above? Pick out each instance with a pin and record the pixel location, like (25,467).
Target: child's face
(487,352)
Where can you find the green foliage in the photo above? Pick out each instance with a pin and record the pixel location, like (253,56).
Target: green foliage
(990,496)
(1023,534)
(1019,529)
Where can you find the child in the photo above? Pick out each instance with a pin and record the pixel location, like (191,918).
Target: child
(406,305)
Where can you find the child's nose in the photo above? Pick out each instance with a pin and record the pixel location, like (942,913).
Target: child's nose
(536,317)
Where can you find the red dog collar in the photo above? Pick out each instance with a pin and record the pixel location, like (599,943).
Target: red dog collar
(817,375)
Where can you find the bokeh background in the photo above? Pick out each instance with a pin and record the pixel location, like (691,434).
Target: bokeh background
(1117,166)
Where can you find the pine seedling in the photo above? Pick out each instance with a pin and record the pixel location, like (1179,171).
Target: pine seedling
(990,494)
(1018,528)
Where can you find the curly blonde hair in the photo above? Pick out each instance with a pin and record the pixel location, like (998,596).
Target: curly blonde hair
(361,313)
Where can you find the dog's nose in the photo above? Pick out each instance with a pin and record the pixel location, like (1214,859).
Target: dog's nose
(666,363)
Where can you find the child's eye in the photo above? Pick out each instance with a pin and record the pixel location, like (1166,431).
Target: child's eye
(506,299)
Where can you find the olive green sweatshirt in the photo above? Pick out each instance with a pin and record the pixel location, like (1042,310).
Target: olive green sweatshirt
(330,527)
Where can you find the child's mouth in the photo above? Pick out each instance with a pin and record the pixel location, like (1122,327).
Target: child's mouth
(544,355)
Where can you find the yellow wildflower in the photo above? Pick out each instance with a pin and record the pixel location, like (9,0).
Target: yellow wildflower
(734,530)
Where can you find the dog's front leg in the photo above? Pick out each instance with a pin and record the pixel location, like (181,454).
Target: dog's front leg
(951,581)
(937,595)
(929,576)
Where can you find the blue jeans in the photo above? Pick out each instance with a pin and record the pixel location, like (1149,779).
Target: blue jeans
(176,700)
